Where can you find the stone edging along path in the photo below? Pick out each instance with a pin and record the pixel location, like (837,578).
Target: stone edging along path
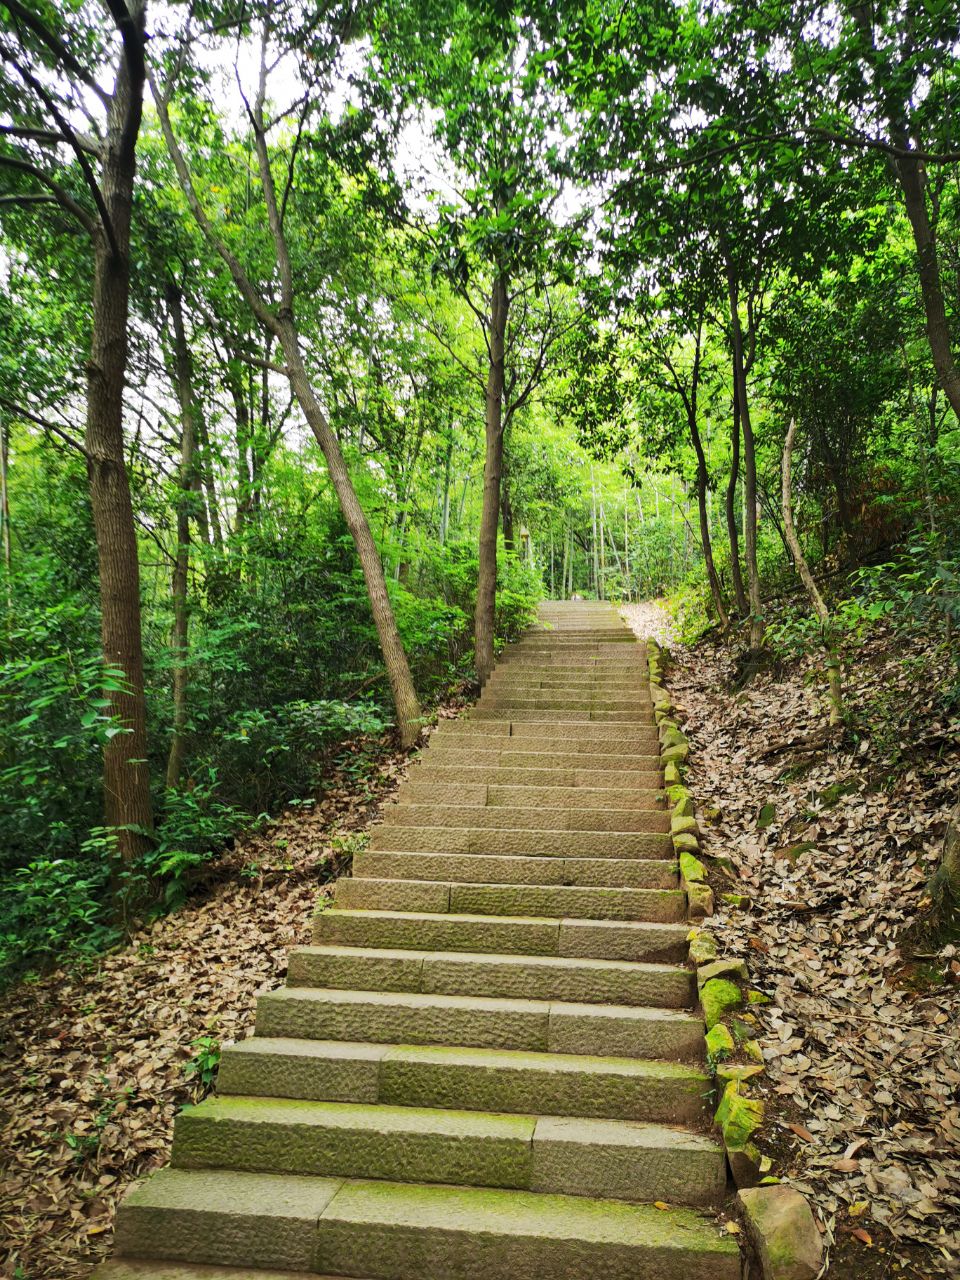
(490,1063)
(780,1225)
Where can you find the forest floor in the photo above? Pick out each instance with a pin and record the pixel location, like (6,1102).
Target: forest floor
(832,838)
(95,1061)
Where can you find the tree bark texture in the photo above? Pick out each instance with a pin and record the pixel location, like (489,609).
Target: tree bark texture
(736,576)
(483,621)
(126,779)
(189,499)
(749,463)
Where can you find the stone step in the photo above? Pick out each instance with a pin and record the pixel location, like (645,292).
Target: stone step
(525,841)
(141,1269)
(531,935)
(526,818)
(568,1155)
(462,748)
(634,717)
(576,693)
(401,1017)
(565,776)
(583,639)
(402,1231)
(462,973)
(508,702)
(550,735)
(503,1080)
(599,902)
(468,793)
(479,868)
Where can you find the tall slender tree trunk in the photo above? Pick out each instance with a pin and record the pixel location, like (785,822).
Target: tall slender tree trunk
(713,578)
(445,508)
(749,462)
(394,657)
(566,562)
(912,181)
(506,504)
(213,531)
(5,497)
(483,622)
(593,545)
(733,536)
(126,779)
(186,506)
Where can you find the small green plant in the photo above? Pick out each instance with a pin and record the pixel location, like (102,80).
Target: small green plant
(202,1067)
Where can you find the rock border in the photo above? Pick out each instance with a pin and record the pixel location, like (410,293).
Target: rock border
(734,1057)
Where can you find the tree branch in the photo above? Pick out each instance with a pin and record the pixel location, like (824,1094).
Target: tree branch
(74,143)
(56,47)
(62,196)
(21,412)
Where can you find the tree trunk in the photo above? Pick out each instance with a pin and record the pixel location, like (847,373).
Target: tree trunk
(593,545)
(394,657)
(749,463)
(736,577)
(483,625)
(186,506)
(713,577)
(445,508)
(912,181)
(506,506)
(806,577)
(126,779)
(5,499)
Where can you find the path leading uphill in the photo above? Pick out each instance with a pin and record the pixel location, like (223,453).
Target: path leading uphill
(488,1065)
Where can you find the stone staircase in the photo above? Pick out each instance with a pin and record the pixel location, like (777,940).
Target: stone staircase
(488,1065)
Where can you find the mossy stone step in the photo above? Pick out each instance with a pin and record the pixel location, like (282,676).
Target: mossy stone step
(599,902)
(519,734)
(506,1080)
(538,817)
(483,712)
(498,774)
(399,1017)
(356,1140)
(551,753)
(224,1217)
(509,701)
(141,1269)
(597,939)
(403,1231)
(466,973)
(470,793)
(570,1155)
(525,841)
(486,868)
(467,1234)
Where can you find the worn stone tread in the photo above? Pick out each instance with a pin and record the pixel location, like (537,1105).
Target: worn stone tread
(489,1235)
(597,901)
(143,1269)
(488,868)
(401,1017)
(483,973)
(464,1078)
(536,935)
(571,1155)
